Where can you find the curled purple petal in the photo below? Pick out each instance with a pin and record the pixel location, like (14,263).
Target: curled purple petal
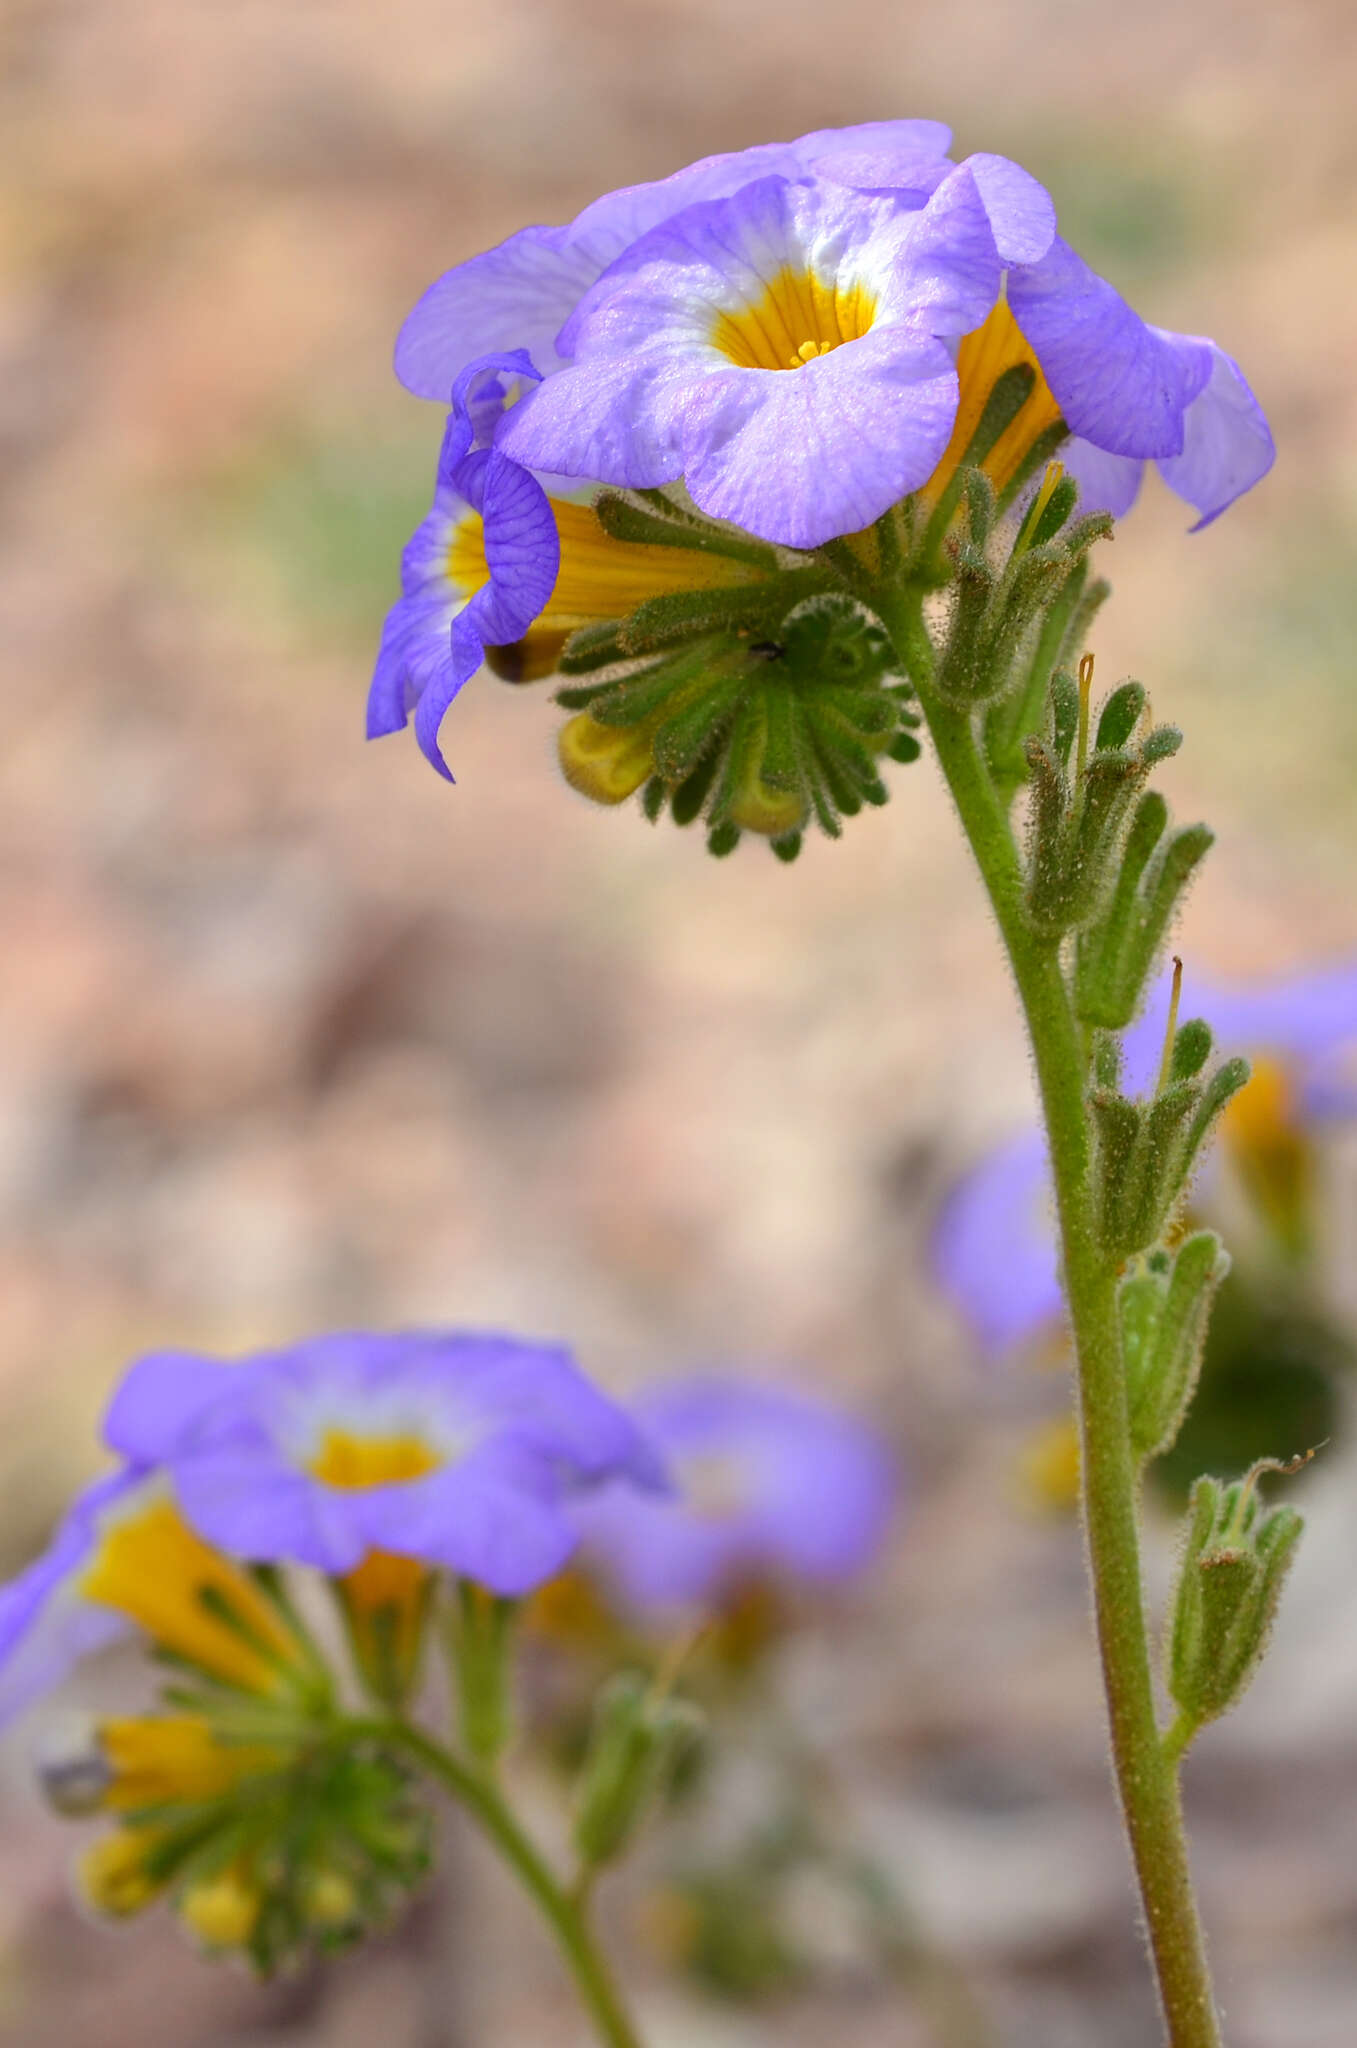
(1227,443)
(46,1625)
(1119,383)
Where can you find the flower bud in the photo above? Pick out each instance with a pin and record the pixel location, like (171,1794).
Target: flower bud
(223,1910)
(1235,1558)
(118,1874)
(1164,1314)
(605,763)
(638,1741)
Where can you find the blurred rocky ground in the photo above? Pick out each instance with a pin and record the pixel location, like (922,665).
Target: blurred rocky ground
(292,1034)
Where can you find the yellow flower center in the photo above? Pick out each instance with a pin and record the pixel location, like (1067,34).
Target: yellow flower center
(350,1462)
(384,1598)
(798,318)
(191,1600)
(1265,1136)
(1262,1116)
(985,354)
(715,1484)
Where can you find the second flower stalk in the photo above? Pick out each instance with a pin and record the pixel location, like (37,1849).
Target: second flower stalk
(967,611)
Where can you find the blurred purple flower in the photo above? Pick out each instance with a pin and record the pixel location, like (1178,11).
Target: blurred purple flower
(994,1247)
(125,1560)
(456,1449)
(769,1486)
(46,1624)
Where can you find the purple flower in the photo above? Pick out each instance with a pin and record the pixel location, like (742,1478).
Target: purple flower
(994,1248)
(477,571)
(499,564)
(769,1485)
(682,351)
(781,349)
(520,294)
(457,1450)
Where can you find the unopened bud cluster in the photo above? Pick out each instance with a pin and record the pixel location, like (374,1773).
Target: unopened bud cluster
(759,708)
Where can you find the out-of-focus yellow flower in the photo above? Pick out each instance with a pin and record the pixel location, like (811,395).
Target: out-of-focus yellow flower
(1048,1466)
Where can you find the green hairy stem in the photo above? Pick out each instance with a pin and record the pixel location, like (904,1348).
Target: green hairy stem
(564,1907)
(1145,1765)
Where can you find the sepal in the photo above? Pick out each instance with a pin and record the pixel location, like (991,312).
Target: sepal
(1147,1149)
(758,715)
(995,607)
(1119,950)
(479,1637)
(654,520)
(1164,1311)
(1079,813)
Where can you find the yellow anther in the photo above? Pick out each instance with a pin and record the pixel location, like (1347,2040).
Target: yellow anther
(606,763)
(798,318)
(1085,690)
(1054,472)
(1170,1028)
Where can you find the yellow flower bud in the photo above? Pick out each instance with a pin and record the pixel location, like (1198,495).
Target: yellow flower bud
(331,1900)
(113,1874)
(773,812)
(606,763)
(222,1910)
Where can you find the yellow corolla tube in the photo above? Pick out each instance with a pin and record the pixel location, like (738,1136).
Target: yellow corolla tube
(191,1600)
(118,1875)
(600,578)
(139,1763)
(166,1759)
(984,356)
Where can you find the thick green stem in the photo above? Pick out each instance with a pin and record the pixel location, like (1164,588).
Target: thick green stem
(1146,1774)
(564,1909)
